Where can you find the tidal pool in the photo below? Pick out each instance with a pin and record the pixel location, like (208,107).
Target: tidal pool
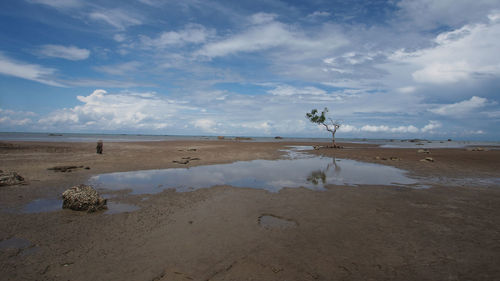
(297,169)
(272,221)
(44,205)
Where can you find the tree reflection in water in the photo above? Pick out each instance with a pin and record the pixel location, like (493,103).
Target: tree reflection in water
(320,175)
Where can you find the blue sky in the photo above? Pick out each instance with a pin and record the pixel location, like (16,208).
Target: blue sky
(387,69)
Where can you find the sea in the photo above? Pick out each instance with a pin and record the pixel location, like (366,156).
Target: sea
(389,143)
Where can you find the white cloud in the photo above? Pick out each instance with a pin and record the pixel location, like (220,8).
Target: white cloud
(60,4)
(462,108)
(206,125)
(431,126)
(429,14)
(27,71)
(103,111)
(191,34)
(318,14)
(286,90)
(12,118)
(117,18)
(346,128)
(64,52)
(270,34)
(261,18)
(407,90)
(119,69)
(119,37)
(384,128)
(469,52)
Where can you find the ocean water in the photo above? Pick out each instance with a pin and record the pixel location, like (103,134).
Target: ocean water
(76,137)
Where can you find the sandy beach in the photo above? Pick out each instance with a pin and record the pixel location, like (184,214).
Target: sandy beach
(448,231)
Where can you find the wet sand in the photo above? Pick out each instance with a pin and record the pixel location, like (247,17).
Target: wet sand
(446,232)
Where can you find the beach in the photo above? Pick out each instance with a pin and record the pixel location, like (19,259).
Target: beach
(446,229)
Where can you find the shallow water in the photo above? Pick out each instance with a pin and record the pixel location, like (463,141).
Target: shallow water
(271,221)
(44,205)
(297,169)
(14,242)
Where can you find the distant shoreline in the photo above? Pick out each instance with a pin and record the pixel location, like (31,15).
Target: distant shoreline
(90,138)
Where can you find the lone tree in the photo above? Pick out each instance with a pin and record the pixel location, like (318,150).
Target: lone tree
(314,117)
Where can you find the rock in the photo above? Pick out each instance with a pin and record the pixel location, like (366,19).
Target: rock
(377,157)
(184,162)
(10,178)
(427,159)
(425,151)
(99,147)
(278,138)
(191,149)
(242,138)
(83,198)
(449,139)
(63,169)
(220,137)
(393,158)
(478,149)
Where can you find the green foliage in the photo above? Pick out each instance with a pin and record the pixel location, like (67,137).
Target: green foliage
(315,118)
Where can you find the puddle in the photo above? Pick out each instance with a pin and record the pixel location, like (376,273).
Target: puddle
(51,205)
(42,206)
(271,221)
(22,246)
(116,208)
(14,243)
(297,169)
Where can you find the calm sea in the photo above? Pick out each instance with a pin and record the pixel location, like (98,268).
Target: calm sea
(74,137)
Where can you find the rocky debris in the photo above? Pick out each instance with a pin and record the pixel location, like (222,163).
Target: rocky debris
(83,198)
(393,158)
(427,159)
(424,151)
(335,146)
(476,149)
(67,168)
(185,160)
(10,178)
(99,147)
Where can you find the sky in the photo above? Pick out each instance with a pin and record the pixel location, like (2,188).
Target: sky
(384,69)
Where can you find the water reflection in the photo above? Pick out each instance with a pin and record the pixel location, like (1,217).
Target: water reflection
(296,170)
(320,175)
